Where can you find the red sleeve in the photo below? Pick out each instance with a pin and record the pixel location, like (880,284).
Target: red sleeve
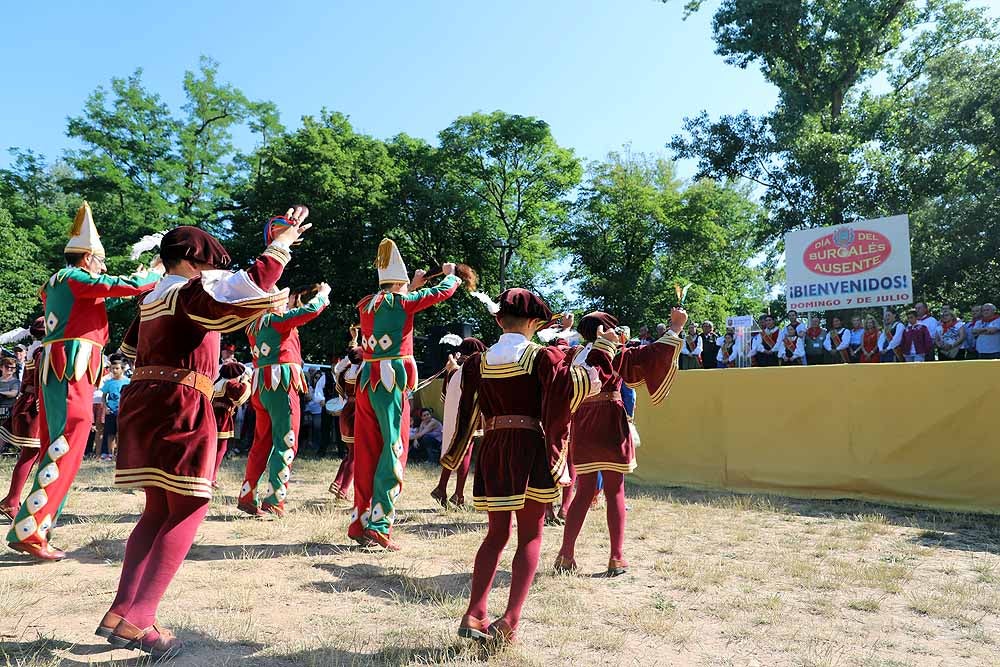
(212,315)
(654,365)
(461,425)
(428,296)
(131,340)
(266,269)
(296,317)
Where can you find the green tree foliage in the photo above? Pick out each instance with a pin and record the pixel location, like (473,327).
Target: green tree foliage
(21,271)
(636,231)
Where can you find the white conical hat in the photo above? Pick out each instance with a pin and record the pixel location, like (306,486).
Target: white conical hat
(389,263)
(83,236)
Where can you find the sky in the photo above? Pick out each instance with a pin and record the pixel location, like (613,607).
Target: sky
(602,73)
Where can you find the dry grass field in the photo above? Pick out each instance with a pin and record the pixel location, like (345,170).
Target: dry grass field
(717,579)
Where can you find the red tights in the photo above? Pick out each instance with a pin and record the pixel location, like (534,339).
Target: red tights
(220,454)
(461,475)
(19,476)
(155,550)
(529,548)
(614,491)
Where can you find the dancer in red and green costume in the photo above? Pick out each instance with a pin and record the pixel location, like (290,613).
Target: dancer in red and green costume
(278,383)
(76,330)
(382,416)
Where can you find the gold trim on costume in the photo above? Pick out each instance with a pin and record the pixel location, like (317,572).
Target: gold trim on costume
(523,366)
(597,466)
(515,502)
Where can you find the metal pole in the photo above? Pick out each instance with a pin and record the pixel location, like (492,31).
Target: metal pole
(503,268)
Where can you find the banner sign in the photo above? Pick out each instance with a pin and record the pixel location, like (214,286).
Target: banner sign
(858,265)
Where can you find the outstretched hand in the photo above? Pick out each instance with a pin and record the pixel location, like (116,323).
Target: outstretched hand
(297,216)
(419,279)
(678,318)
(451,364)
(324,290)
(610,335)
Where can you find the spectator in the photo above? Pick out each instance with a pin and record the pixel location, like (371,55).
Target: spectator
(891,339)
(644,337)
(709,345)
(427,436)
(793,321)
(691,349)
(987,333)
(727,354)
(661,330)
(917,343)
(838,342)
(857,336)
(765,344)
(792,351)
(925,318)
(950,338)
(814,341)
(20,354)
(870,353)
(970,340)
(314,412)
(111,392)
(227,353)
(10,385)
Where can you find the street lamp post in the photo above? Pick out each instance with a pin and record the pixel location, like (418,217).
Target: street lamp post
(506,249)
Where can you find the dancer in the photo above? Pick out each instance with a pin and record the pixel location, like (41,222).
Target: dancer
(388,372)
(459,461)
(277,384)
(76,330)
(602,444)
(169,452)
(526,393)
(346,377)
(232,390)
(24,424)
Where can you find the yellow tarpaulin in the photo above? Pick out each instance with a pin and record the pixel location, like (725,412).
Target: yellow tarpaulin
(920,434)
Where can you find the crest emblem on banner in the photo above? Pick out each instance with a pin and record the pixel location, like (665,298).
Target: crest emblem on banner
(843,237)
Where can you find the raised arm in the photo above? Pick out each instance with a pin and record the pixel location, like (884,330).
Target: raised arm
(297,317)
(92,286)
(426,297)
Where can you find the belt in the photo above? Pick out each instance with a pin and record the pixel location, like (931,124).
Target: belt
(181,376)
(604,396)
(512,421)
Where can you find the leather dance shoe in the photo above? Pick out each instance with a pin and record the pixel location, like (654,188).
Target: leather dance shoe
(564,565)
(440,498)
(457,501)
(108,625)
(252,510)
(376,538)
(9,511)
(42,552)
(128,636)
(476,629)
(277,510)
(501,634)
(617,568)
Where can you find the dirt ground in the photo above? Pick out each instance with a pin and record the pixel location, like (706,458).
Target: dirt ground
(717,579)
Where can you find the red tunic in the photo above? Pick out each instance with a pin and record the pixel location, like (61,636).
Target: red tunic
(227,396)
(514,464)
(600,438)
(174,446)
(24,422)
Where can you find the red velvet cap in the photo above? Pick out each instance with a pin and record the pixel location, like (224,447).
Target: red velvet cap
(355,354)
(518,302)
(229,347)
(231,370)
(37,328)
(194,244)
(471,345)
(588,325)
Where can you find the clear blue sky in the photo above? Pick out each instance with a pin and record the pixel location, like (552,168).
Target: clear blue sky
(600,72)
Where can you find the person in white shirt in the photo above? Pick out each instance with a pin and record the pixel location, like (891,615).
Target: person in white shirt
(728,353)
(970,339)
(793,321)
(950,338)
(792,351)
(928,320)
(890,338)
(838,342)
(764,348)
(987,333)
(691,349)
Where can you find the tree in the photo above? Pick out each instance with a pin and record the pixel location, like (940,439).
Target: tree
(515,167)
(21,273)
(636,231)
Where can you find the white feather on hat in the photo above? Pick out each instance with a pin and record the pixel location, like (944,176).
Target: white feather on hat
(450,339)
(84,236)
(14,335)
(146,243)
(492,306)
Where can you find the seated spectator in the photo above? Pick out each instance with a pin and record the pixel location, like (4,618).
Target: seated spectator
(917,343)
(727,354)
(426,439)
(970,340)
(814,340)
(950,338)
(792,351)
(987,333)
(709,345)
(838,342)
(857,336)
(870,353)
(691,349)
(891,339)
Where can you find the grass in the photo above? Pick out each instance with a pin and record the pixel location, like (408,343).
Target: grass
(716,579)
